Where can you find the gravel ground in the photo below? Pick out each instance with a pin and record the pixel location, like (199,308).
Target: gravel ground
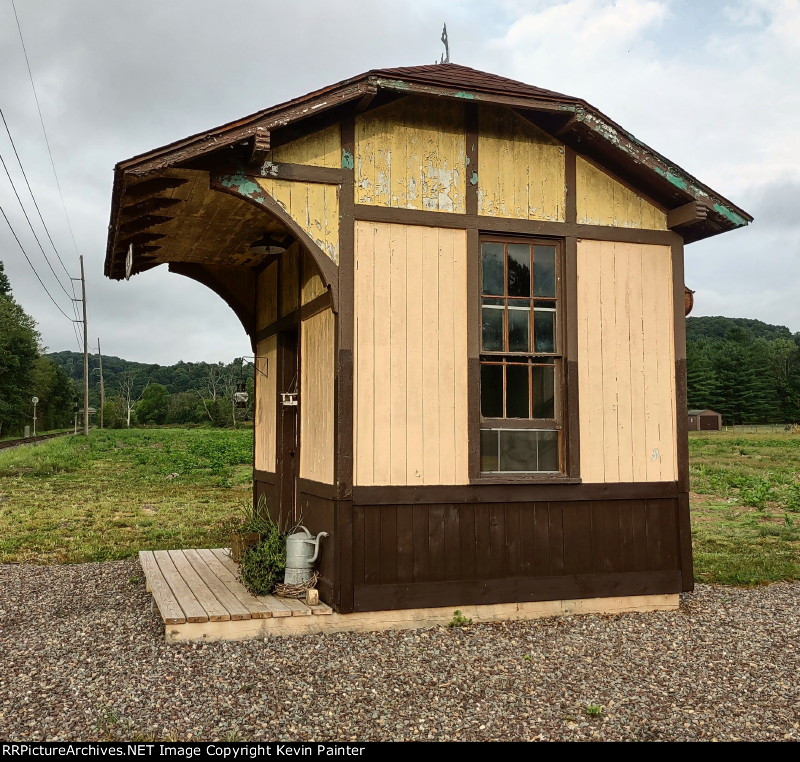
(83,658)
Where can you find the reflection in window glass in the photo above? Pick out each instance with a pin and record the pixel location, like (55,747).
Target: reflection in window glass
(543,392)
(544,331)
(492,332)
(519,329)
(544,271)
(492,255)
(489,455)
(518,450)
(492,391)
(548,451)
(517,391)
(519,269)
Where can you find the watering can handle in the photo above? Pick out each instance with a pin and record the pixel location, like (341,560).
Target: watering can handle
(300,526)
(316,545)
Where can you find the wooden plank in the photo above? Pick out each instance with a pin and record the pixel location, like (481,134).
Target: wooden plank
(382,352)
(372,546)
(321,609)
(622,350)
(388,543)
(577,538)
(364,349)
(192,609)
(483,549)
(215,610)
(556,539)
(429,285)
(420,536)
(636,353)
(217,587)
(168,606)
(405,544)
(541,540)
(257,609)
(446,357)
(497,540)
(397,390)
(608,348)
(436,542)
(275,605)
(612,536)
(513,540)
(415,381)
(359,576)
(655,561)
(295,606)
(466,530)
(452,542)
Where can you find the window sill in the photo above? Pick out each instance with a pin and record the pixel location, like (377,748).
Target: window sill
(525,479)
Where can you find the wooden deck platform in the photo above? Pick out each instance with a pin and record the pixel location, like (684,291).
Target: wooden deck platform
(199,598)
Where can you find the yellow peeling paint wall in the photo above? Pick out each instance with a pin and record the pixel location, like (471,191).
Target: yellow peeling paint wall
(410,418)
(266,368)
(312,286)
(313,206)
(319,149)
(602,200)
(317,382)
(521,168)
(412,154)
(626,363)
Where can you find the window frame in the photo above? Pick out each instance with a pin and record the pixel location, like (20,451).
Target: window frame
(565,398)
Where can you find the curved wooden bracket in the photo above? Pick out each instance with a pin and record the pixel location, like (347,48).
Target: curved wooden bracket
(246,189)
(233,284)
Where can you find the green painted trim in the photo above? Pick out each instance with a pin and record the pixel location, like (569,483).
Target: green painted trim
(347,159)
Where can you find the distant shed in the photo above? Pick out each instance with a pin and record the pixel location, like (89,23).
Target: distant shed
(704,420)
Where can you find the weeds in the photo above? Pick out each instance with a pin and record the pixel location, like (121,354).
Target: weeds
(459,620)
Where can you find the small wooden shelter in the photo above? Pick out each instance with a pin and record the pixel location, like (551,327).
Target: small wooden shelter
(466,303)
(705,420)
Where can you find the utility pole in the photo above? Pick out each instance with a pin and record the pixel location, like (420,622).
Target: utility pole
(85,356)
(102,385)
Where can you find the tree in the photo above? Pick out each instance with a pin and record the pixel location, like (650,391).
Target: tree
(701,380)
(19,341)
(127,386)
(56,393)
(153,406)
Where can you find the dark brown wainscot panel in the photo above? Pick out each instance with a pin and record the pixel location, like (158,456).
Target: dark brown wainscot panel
(410,554)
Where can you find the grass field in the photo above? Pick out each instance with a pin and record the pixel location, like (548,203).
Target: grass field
(73,499)
(745,507)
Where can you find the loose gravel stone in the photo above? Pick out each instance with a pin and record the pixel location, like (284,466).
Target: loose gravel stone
(83,658)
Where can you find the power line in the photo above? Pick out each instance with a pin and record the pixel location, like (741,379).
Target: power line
(25,253)
(44,130)
(30,225)
(30,190)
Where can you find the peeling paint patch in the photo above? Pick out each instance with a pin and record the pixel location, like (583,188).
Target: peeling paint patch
(464,94)
(347,159)
(673,178)
(729,214)
(474,178)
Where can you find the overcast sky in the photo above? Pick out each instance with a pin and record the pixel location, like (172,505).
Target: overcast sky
(713,85)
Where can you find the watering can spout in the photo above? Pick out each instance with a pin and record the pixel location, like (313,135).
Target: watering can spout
(316,545)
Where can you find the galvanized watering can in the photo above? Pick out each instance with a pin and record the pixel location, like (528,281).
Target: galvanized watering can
(302,549)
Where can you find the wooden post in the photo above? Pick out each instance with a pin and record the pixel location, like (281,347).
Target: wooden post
(102,385)
(85,357)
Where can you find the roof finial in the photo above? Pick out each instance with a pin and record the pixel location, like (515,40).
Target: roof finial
(446,55)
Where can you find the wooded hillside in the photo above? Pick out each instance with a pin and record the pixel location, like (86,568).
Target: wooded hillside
(745,369)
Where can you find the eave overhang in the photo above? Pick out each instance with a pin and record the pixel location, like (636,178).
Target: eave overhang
(698,211)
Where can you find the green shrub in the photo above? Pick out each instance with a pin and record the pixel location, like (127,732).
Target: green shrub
(263,565)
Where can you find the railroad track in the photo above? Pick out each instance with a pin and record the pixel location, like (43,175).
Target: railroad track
(30,440)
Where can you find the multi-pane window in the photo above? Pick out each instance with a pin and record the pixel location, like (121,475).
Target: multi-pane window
(520,356)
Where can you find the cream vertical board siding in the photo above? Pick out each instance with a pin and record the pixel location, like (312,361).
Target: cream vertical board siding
(521,168)
(626,363)
(290,279)
(410,385)
(266,389)
(313,206)
(602,200)
(317,382)
(412,154)
(318,149)
(267,296)
(312,284)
